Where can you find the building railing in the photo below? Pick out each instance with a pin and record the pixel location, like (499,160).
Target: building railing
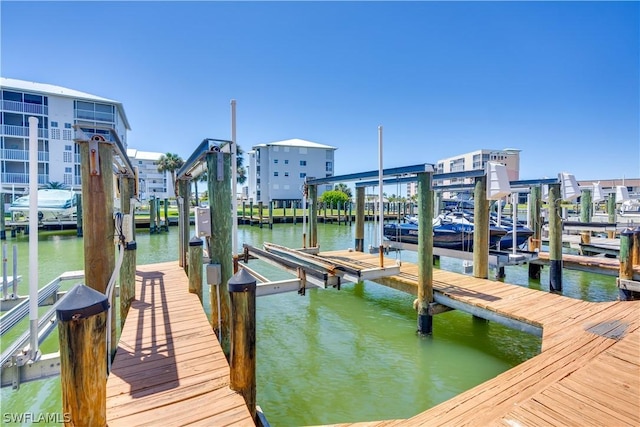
(12,154)
(25,107)
(95,115)
(12,130)
(22,178)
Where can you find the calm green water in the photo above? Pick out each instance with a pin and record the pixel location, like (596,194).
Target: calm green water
(333,356)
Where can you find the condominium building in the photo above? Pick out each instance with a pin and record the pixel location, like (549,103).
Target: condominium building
(277,170)
(57,109)
(151,182)
(510,157)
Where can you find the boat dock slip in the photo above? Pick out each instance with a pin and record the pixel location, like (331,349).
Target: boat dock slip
(588,371)
(169,368)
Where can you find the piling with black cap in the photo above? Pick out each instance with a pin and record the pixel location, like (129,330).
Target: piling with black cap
(555,238)
(242,294)
(195,266)
(626,262)
(82,327)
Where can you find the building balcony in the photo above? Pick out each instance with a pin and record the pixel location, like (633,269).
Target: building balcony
(22,155)
(94,116)
(22,178)
(23,131)
(25,107)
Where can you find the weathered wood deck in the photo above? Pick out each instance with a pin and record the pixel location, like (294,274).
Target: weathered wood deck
(169,367)
(588,372)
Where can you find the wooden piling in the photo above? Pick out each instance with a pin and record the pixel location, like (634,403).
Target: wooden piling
(3,230)
(184,195)
(221,248)
(96,160)
(127,278)
(555,238)
(480,229)
(425,253)
(295,216)
(260,214)
(626,262)
(166,214)
(195,266)
(271,214)
(313,216)
(79,231)
(535,207)
(611,212)
(152,215)
(359,244)
(635,255)
(585,214)
(242,294)
(251,212)
(82,328)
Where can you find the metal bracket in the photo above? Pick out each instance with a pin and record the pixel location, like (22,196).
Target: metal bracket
(94,157)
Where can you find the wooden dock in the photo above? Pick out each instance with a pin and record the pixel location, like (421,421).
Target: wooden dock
(169,368)
(588,372)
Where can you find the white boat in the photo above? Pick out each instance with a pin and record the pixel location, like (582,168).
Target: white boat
(53,205)
(630,206)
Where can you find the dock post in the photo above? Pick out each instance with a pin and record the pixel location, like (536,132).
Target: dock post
(293,207)
(243,211)
(152,215)
(219,164)
(313,216)
(535,206)
(260,214)
(585,214)
(251,212)
(351,213)
(96,160)
(635,253)
(79,214)
(271,214)
(242,294)
(82,329)
(166,214)
(611,211)
(359,219)
(425,253)
(3,230)
(480,229)
(127,277)
(183,220)
(555,238)
(339,211)
(626,263)
(195,266)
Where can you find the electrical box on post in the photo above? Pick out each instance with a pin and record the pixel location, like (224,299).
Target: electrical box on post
(203,222)
(214,274)
(127,228)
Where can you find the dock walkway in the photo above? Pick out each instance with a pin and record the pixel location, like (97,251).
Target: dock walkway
(169,368)
(588,371)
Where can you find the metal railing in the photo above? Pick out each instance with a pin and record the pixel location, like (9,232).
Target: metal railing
(25,107)
(13,130)
(22,178)
(13,154)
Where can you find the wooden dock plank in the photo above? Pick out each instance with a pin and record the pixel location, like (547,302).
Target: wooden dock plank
(169,360)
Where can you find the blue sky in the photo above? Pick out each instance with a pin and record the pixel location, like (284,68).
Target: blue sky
(558,80)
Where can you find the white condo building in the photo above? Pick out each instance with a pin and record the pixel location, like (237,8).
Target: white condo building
(151,182)
(57,110)
(277,170)
(510,157)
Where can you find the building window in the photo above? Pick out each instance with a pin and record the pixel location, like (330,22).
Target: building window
(286,174)
(67,125)
(68,148)
(286,161)
(54,124)
(275,161)
(329,166)
(275,174)
(67,156)
(303,163)
(55,133)
(66,134)
(303,175)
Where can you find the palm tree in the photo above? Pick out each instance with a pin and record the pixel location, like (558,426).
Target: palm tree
(170,162)
(344,188)
(55,185)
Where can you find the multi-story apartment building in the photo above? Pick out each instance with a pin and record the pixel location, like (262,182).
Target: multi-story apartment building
(151,182)
(277,170)
(57,110)
(510,157)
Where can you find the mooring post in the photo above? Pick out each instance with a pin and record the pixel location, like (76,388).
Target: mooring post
(127,277)
(481,229)
(96,160)
(242,294)
(351,213)
(82,329)
(3,230)
(294,204)
(166,214)
(611,212)
(555,238)
(152,215)
(184,225)
(78,197)
(313,216)
(243,211)
(425,253)
(585,214)
(360,219)
(260,213)
(195,266)
(535,205)
(635,256)
(271,215)
(251,212)
(626,263)
(221,220)
(339,210)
